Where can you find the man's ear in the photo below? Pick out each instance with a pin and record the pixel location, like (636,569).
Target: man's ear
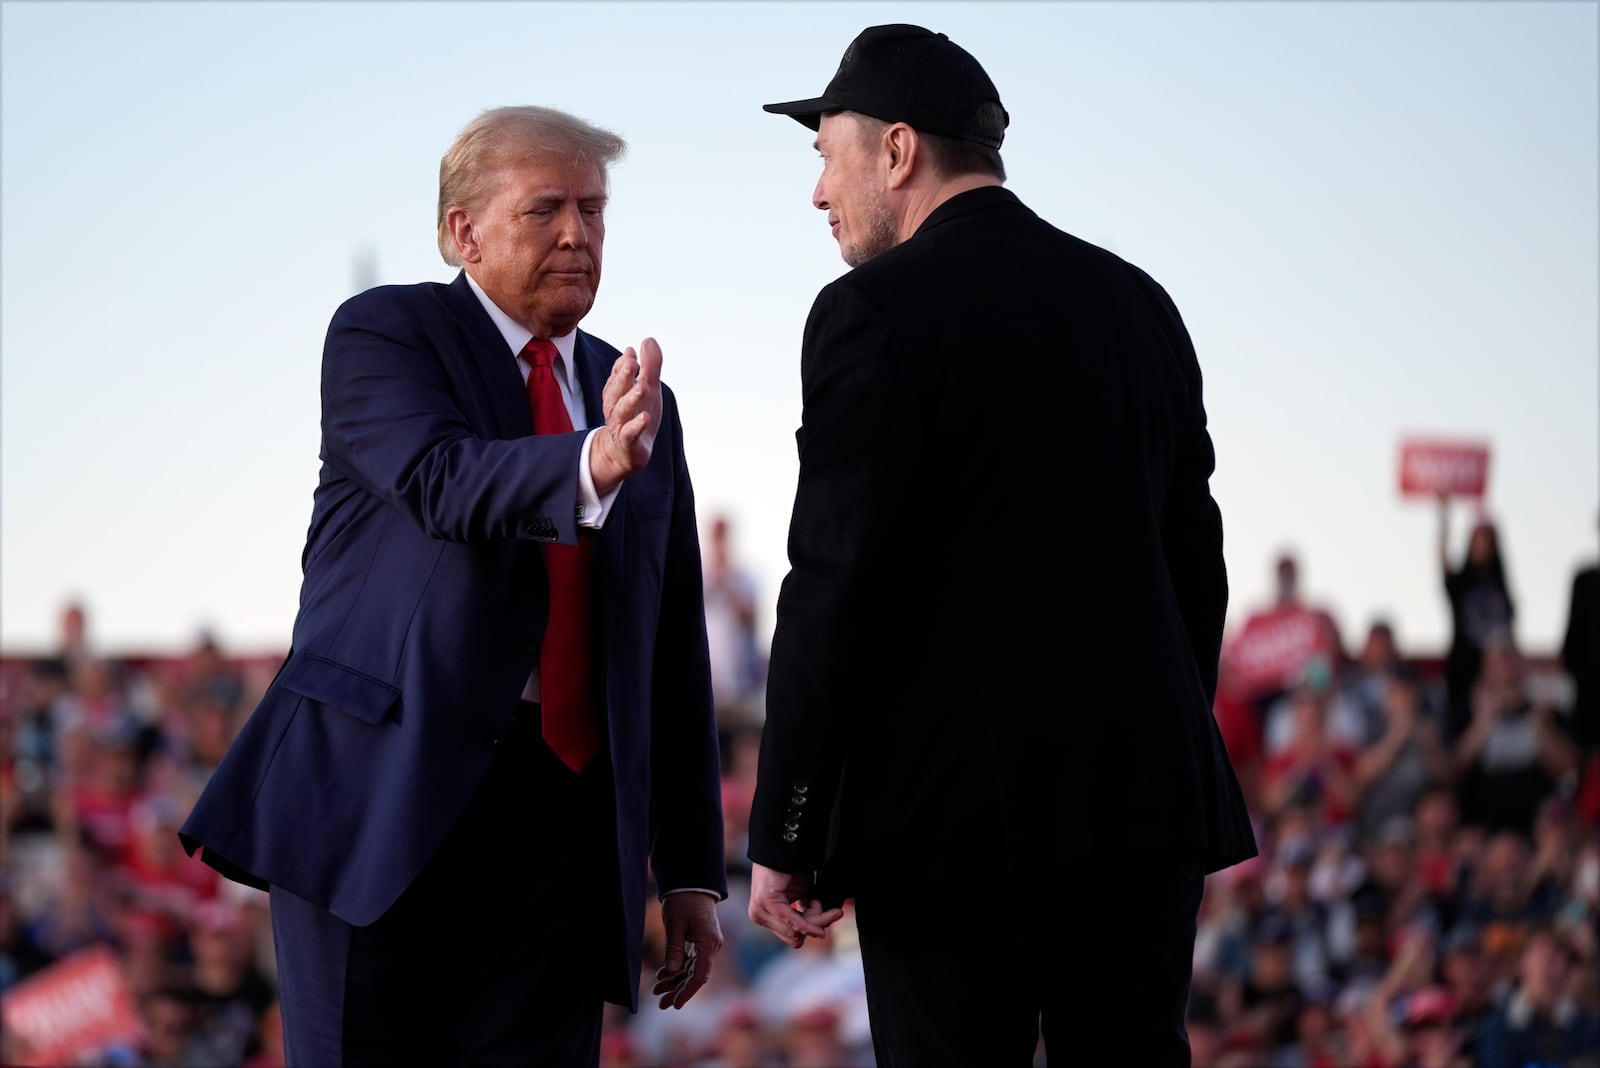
(464,234)
(901,144)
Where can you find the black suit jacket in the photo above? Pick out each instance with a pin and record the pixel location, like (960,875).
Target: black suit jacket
(996,647)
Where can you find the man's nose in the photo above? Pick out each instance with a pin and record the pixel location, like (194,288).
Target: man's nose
(819,197)
(574,232)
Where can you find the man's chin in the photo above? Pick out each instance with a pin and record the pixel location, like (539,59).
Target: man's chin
(566,309)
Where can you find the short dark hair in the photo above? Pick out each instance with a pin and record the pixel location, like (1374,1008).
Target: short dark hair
(953,157)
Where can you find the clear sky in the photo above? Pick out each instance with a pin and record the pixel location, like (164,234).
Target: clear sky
(1378,218)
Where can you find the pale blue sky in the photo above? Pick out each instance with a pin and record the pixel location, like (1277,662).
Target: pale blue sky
(1378,218)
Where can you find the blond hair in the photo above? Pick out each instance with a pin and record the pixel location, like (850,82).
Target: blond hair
(501,135)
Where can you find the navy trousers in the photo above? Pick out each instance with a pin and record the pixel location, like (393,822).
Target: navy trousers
(494,955)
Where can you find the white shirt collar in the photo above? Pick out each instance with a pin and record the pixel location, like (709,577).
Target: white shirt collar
(518,336)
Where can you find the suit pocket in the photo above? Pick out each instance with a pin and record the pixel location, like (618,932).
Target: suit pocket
(346,689)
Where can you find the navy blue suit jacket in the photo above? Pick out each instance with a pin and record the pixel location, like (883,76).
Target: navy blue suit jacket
(421,610)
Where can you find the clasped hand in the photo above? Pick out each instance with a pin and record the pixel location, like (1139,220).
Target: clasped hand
(783,903)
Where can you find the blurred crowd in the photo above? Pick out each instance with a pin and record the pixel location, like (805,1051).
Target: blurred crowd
(1427,894)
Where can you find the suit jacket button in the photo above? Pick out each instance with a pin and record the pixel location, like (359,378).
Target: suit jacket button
(801,786)
(789,836)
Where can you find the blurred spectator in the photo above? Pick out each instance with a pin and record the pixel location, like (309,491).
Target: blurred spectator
(10,927)
(741,1038)
(73,647)
(1404,986)
(1430,1033)
(231,994)
(1435,823)
(1402,759)
(209,674)
(1393,887)
(1318,1041)
(1465,974)
(1506,900)
(96,797)
(77,913)
(738,668)
(269,1051)
(1515,752)
(1305,917)
(1539,1023)
(1269,999)
(1367,676)
(814,1038)
(168,1014)
(1580,656)
(1278,641)
(1347,721)
(1315,767)
(94,706)
(1481,607)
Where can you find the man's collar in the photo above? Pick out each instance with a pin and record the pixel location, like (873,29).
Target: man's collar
(517,336)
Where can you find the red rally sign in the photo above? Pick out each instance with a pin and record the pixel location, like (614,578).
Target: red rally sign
(71,1009)
(1429,468)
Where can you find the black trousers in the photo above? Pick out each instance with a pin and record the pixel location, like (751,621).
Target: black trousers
(1096,959)
(494,955)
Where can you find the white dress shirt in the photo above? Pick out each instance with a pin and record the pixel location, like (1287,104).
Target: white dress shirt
(592,508)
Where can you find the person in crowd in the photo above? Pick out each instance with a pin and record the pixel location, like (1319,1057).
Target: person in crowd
(1580,657)
(1464,973)
(1515,751)
(1315,767)
(738,666)
(1505,899)
(495,723)
(1306,916)
(1284,639)
(231,991)
(1346,719)
(1538,1022)
(1481,608)
(1270,998)
(1439,845)
(1393,883)
(1405,757)
(1366,677)
(897,650)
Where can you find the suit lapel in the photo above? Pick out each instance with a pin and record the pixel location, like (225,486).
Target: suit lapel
(495,362)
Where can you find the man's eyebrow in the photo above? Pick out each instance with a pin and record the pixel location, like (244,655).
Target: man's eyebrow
(559,196)
(816,146)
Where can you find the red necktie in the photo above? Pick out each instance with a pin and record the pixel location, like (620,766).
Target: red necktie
(565,701)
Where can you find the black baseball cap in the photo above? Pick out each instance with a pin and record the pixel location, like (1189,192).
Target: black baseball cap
(904,73)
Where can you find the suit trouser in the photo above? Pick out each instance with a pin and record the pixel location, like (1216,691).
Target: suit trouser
(494,955)
(1096,958)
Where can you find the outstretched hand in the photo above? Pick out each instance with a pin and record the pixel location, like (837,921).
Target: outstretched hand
(631,402)
(782,903)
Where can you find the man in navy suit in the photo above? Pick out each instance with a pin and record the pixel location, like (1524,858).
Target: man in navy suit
(988,716)
(447,888)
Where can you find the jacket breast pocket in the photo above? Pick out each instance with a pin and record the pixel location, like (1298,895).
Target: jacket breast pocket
(337,686)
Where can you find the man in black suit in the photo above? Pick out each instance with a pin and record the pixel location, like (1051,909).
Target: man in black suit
(995,653)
